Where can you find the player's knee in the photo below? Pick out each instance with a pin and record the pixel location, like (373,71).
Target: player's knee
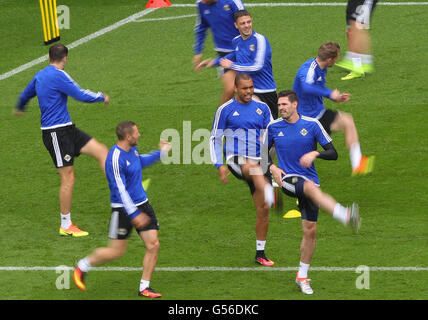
(342,122)
(153,245)
(310,231)
(116,253)
(347,118)
(67,176)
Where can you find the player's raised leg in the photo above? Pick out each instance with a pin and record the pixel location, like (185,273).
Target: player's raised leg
(361,165)
(97,150)
(345,215)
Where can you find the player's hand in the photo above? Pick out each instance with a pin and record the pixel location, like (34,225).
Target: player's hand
(339,97)
(206,63)
(223,172)
(308,158)
(141,220)
(344,97)
(277,174)
(164,147)
(18,113)
(226,63)
(106,99)
(196,60)
(334,95)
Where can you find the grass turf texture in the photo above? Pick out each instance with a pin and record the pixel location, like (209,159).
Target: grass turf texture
(145,68)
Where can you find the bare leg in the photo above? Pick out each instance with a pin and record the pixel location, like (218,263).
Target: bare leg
(115,250)
(359,40)
(254,172)
(151,242)
(307,246)
(66,188)
(345,123)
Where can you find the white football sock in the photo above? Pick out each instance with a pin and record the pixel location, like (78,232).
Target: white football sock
(260,245)
(355,155)
(340,213)
(84,265)
(352,55)
(66,220)
(357,62)
(366,58)
(303,270)
(269,197)
(144,284)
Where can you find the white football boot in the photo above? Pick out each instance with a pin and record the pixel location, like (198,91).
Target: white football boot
(304,285)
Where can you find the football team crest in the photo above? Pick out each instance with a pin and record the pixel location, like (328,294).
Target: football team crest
(252,47)
(226,7)
(303,132)
(259,111)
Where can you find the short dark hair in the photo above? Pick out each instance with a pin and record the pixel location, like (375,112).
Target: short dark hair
(290,94)
(57,52)
(124,128)
(243,76)
(328,50)
(240,13)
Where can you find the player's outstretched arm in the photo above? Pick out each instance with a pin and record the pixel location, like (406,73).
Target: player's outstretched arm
(154,156)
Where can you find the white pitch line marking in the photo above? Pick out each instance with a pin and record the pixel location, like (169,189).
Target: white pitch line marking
(210,269)
(167,18)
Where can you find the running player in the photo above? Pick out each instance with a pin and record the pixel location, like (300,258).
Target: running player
(309,85)
(130,207)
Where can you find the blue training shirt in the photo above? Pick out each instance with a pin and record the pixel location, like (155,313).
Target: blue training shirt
(52,87)
(124,176)
(242,125)
(292,141)
(219,18)
(253,56)
(309,85)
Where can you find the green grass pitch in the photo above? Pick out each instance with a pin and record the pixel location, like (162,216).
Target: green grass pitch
(146,69)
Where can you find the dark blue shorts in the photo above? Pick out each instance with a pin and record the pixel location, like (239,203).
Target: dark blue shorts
(293,187)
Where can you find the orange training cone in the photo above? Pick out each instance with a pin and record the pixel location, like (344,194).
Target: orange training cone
(158,3)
